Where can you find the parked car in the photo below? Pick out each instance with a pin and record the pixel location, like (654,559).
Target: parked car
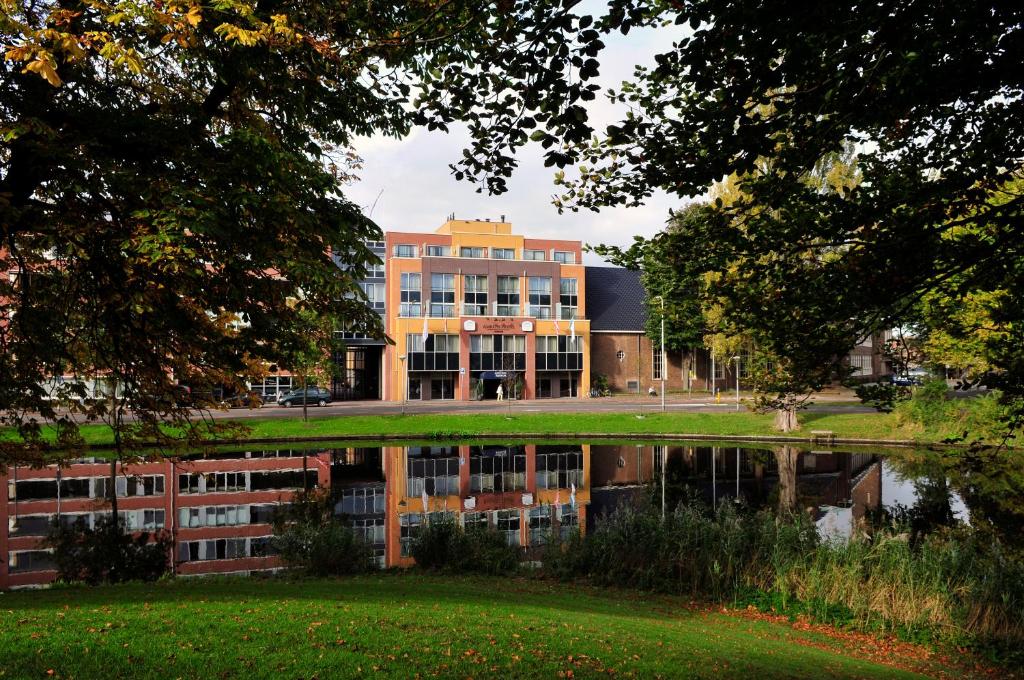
(245,400)
(313,395)
(915,376)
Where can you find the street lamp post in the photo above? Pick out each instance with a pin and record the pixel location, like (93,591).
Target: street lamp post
(405,383)
(664,364)
(737,360)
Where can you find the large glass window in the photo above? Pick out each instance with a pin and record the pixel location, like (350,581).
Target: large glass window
(374,295)
(439,251)
(568,297)
(565,256)
(529,254)
(503,253)
(405,250)
(436,353)
(656,363)
(468,251)
(508,296)
(474,295)
(540,297)
(442,295)
(559,353)
(411,295)
(497,353)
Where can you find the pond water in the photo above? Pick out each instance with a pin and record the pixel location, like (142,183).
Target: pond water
(219,506)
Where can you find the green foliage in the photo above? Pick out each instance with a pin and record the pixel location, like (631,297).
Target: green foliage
(825,255)
(105,553)
(600,385)
(950,585)
(985,418)
(165,236)
(308,536)
(882,396)
(443,545)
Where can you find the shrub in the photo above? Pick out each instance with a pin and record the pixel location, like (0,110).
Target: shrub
(951,584)
(882,397)
(308,536)
(600,386)
(107,554)
(984,417)
(445,546)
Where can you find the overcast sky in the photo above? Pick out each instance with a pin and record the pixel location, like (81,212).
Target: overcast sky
(416,190)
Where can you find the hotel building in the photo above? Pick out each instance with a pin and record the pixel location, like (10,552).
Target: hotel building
(473,306)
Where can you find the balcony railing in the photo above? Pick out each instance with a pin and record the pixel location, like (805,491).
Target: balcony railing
(448,311)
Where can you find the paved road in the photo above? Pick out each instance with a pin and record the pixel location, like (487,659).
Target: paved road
(674,403)
(608,405)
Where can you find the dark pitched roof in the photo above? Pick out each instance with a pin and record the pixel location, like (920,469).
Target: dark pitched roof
(616,299)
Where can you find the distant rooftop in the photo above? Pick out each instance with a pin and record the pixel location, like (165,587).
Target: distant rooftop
(454,226)
(616,299)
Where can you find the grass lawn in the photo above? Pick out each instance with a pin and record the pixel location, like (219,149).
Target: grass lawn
(744,423)
(409,625)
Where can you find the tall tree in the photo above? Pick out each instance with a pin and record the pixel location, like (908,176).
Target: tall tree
(931,95)
(170,173)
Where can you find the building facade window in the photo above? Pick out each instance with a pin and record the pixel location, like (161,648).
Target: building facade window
(472,251)
(436,353)
(411,295)
(540,297)
(559,353)
(508,296)
(442,295)
(497,353)
(657,367)
(503,253)
(565,256)
(375,270)
(861,364)
(474,295)
(568,297)
(375,293)
(405,250)
(439,251)
(529,254)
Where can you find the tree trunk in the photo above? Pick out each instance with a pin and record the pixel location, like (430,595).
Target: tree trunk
(786,458)
(112,484)
(786,420)
(305,400)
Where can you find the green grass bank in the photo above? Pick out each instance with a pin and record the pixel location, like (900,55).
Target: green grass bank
(875,426)
(410,625)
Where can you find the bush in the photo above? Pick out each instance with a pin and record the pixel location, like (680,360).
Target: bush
(950,585)
(106,554)
(984,417)
(445,546)
(882,397)
(308,536)
(600,386)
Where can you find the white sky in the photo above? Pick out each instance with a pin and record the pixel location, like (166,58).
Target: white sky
(417,191)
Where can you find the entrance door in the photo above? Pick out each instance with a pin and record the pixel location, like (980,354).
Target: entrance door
(360,374)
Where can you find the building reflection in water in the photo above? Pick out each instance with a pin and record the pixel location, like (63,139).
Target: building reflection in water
(836,488)
(219,507)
